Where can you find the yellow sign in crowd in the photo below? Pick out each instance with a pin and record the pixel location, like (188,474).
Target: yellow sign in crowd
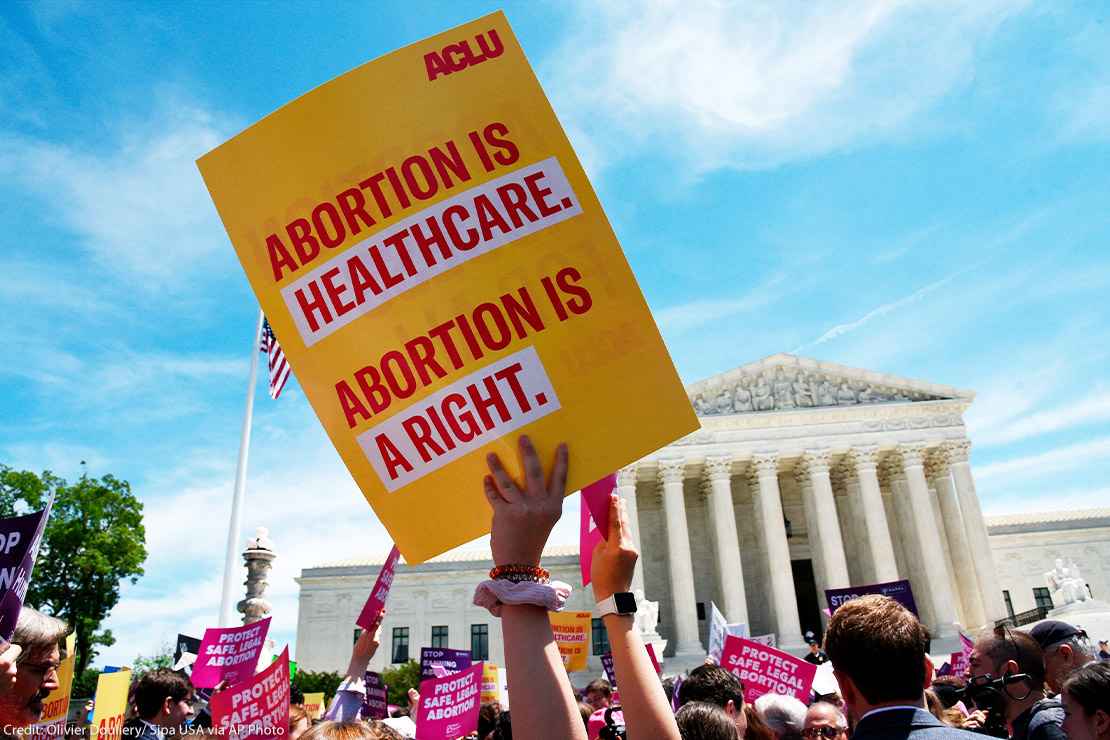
(442,278)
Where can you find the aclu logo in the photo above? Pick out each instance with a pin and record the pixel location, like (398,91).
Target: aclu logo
(457,57)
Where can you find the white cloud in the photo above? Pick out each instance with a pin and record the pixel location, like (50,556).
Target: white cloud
(754,84)
(685,317)
(1094,407)
(847,328)
(140,206)
(1040,465)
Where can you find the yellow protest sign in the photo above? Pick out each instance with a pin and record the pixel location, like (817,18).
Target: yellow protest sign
(55,707)
(572,635)
(491,685)
(314,704)
(110,705)
(442,278)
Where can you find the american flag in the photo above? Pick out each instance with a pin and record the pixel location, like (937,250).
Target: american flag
(279,366)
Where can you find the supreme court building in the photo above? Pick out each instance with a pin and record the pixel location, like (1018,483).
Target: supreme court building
(805,475)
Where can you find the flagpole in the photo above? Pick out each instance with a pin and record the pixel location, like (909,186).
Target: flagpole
(231,557)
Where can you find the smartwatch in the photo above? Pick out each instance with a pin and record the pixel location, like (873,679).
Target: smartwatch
(618,603)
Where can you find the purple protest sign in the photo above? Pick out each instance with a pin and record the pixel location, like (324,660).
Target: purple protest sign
(229,654)
(900,591)
(449,706)
(607,664)
(452,660)
(371,612)
(375,705)
(20,537)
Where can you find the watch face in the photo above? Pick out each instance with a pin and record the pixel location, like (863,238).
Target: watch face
(625,602)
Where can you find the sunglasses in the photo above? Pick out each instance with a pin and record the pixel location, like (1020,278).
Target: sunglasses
(825,732)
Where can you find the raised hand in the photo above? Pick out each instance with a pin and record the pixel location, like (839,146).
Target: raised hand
(523,515)
(614,557)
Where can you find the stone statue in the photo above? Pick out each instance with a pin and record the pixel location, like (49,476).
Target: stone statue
(647,613)
(784,392)
(724,402)
(845,396)
(701,406)
(1065,583)
(826,396)
(866,394)
(762,394)
(803,391)
(742,397)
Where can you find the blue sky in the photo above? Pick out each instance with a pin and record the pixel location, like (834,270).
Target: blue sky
(917,188)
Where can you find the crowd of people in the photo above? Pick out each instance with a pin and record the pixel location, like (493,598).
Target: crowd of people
(1041,684)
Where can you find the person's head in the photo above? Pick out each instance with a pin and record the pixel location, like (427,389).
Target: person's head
(756,728)
(40,636)
(353,730)
(878,652)
(164,697)
(948,690)
(1086,698)
(701,720)
(814,648)
(1065,649)
(1104,645)
(1012,657)
(785,715)
(487,717)
(825,721)
(298,721)
(598,693)
(583,708)
(714,685)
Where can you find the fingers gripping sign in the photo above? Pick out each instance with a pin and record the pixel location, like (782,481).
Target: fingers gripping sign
(523,515)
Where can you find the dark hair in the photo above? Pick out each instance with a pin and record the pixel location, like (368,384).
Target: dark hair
(599,685)
(155,686)
(948,689)
(881,646)
(712,684)
(1005,644)
(1090,687)
(757,728)
(487,718)
(701,720)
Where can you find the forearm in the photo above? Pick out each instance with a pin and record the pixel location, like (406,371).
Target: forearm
(646,711)
(543,701)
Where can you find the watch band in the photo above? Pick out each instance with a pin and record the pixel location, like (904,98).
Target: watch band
(618,603)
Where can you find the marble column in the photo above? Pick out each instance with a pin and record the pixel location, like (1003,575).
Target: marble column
(935,575)
(975,527)
(626,488)
(958,548)
(764,474)
(679,563)
(730,571)
(865,462)
(830,545)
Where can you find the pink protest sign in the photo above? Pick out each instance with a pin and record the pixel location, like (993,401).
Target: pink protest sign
(961,660)
(449,706)
(654,660)
(372,611)
(229,654)
(596,496)
(588,537)
(765,670)
(257,707)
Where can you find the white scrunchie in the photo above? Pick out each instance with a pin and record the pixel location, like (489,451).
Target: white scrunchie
(493,594)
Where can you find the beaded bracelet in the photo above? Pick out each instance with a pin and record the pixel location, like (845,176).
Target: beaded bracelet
(519,573)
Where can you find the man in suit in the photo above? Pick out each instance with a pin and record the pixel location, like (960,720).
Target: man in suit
(163,702)
(877,648)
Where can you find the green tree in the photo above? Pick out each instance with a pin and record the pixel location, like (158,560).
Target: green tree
(309,682)
(95,539)
(162,659)
(399,679)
